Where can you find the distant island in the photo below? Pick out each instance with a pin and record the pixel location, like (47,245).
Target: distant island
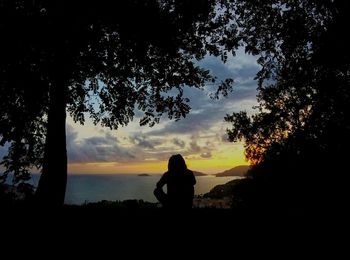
(143,174)
(236,171)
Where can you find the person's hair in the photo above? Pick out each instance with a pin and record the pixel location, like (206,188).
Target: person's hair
(177,163)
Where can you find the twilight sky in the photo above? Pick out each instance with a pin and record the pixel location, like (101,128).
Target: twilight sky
(200,137)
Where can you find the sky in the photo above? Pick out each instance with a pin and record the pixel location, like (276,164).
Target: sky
(200,137)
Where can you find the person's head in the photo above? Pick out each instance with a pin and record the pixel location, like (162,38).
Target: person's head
(177,163)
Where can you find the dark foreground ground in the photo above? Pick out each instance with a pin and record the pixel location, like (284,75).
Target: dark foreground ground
(126,232)
(132,216)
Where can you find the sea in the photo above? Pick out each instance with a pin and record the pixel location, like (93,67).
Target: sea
(85,188)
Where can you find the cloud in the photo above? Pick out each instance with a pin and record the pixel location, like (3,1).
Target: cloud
(241,61)
(107,148)
(206,155)
(96,149)
(179,142)
(203,118)
(224,137)
(143,141)
(194,147)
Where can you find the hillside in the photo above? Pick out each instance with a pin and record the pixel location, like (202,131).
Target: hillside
(199,173)
(236,171)
(222,190)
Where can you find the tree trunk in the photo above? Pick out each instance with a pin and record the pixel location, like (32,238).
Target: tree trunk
(53,180)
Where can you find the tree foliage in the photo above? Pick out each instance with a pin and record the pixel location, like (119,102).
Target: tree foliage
(302,76)
(302,124)
(100,58)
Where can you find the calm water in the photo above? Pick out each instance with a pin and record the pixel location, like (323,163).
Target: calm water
(92,188)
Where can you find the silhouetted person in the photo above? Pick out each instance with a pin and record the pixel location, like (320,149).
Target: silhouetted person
(180,183)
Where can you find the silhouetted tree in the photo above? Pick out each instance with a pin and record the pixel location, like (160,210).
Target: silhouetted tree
(102,58)
(299,138)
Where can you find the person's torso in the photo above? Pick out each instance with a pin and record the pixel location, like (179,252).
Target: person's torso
(180,187)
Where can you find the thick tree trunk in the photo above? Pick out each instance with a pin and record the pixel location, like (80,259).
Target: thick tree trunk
(52,184)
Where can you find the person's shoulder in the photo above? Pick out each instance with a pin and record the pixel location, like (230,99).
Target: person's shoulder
(189,171)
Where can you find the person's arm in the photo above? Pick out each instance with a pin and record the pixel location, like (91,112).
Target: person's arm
(193,178)
(163,180)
